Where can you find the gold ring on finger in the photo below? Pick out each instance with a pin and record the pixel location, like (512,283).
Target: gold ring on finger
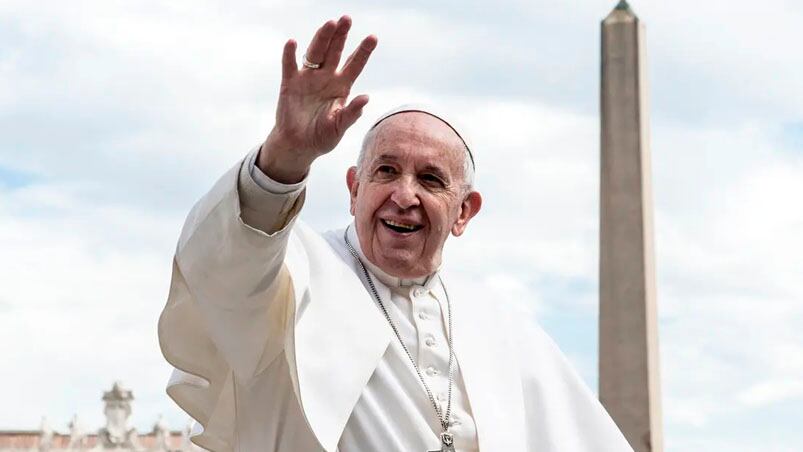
(309,64)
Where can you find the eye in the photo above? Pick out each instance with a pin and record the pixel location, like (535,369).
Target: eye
(385,169)
(432,180)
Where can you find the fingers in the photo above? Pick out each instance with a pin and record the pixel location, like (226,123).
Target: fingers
(356,62)
(316,52)
(289,65)
(349,114)
(335,50)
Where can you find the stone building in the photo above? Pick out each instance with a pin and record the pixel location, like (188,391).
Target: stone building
(115,435)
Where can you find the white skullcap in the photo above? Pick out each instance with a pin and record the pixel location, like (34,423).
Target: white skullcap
(437,113)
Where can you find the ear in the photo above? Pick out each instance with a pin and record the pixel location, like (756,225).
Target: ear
(470,207)
(353,183)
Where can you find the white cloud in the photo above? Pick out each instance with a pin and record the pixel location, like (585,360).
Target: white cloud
(82,288)
(772,391)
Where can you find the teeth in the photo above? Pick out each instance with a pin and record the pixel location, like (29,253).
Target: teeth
(409,227)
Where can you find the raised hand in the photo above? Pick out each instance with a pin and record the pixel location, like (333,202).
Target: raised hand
(312,114)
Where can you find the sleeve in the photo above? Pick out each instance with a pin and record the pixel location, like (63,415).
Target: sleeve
(231,298)
(266,204)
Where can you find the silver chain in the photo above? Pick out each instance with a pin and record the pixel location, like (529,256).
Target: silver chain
(444,420)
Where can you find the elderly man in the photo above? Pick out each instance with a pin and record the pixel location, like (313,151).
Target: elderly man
(286,340)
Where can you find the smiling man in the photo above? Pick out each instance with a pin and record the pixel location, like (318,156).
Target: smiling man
(410,189)
(287,340)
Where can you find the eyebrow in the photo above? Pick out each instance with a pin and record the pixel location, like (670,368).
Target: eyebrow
(386,158)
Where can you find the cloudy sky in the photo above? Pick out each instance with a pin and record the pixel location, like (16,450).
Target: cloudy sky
(116,116)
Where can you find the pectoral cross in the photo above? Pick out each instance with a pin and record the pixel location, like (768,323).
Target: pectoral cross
(447,443)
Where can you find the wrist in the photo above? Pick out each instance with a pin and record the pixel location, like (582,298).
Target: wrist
(279,162)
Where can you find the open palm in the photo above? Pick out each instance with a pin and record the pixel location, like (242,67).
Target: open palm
(312,113)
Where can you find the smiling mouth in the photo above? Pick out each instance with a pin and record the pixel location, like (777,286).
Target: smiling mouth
(401,228)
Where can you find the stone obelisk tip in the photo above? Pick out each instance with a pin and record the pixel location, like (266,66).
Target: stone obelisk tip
(621,12)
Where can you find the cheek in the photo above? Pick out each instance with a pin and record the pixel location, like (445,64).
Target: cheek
(442,215)
(367,203)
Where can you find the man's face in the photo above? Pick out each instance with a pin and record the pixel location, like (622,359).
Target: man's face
(409,194)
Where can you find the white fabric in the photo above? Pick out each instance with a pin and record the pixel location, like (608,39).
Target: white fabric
(394,403)
(268,184)
(277,345)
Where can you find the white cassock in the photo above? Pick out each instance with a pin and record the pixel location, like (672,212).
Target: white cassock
(279,346)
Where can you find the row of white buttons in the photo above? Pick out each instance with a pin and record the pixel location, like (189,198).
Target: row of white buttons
(431,339)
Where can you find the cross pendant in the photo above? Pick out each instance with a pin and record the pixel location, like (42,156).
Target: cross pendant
(447,443)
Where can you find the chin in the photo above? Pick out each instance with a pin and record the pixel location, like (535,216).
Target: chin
(409,273)
(406,267)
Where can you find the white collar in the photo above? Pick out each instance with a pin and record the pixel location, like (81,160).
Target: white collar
(386,279)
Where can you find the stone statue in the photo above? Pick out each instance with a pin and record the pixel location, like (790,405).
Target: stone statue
(186,444)
(161,436)
(117,434)
(45,436)
(77,436)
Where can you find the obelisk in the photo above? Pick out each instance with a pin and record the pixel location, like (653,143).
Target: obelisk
(629,385)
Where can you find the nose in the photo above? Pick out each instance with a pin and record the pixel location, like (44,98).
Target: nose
(405,193)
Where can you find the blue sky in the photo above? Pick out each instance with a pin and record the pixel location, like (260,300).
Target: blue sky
(116,116)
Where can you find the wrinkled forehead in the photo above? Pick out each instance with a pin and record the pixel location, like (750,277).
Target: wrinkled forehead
(438,113)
